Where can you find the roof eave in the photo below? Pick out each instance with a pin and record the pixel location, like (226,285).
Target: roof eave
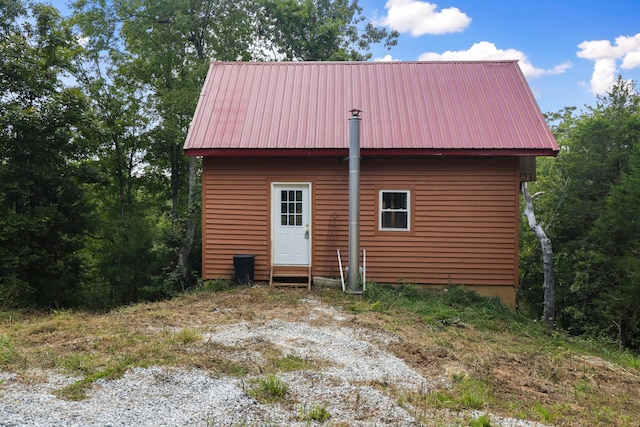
(340,152)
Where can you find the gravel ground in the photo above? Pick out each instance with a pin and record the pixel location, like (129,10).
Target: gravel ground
(355,386)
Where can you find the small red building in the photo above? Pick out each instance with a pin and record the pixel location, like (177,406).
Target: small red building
(444,148)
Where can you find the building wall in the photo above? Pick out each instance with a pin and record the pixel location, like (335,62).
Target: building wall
(464,226)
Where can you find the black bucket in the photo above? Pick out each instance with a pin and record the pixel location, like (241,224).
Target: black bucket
(243,268)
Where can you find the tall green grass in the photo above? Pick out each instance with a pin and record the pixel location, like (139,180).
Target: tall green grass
(452,305)
(270,389)
(8,353)
(458,306)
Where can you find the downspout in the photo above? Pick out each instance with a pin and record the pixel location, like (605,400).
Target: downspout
(353,276)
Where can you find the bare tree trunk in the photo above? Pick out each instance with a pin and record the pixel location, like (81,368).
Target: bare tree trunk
(549,307)
(621,324)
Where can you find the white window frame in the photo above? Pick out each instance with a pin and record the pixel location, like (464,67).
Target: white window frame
(382,210)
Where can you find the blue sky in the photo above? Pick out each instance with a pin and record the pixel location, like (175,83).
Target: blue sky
(569,50)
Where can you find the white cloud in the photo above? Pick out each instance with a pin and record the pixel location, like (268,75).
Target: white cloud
(386,58)
(604,75)
(606,57)
(631,60)
(488,51)
(420,18)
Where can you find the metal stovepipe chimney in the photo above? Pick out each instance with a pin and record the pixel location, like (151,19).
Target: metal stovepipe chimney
(353,276)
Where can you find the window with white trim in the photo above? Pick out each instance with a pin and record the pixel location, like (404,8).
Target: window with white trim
(395,210)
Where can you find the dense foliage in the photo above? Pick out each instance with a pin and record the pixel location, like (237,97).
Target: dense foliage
(591,205)
(43,210)
(98,205)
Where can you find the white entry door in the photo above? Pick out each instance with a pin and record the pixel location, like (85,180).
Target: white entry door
(290,221)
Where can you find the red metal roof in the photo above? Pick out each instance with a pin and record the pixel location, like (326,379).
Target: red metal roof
(408,108)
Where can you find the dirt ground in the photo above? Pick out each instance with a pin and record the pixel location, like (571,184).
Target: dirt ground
(510,375)
(555,387)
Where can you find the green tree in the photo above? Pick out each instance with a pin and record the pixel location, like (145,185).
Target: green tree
(591,183)
(164,48)
(43,210)
(616,257)
(319,30)
(170,44)
(125,257)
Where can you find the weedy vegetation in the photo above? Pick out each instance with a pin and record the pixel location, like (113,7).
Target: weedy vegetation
(480,355)
(269,388)
(314,412)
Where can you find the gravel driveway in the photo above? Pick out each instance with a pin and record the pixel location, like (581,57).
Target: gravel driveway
(358,385)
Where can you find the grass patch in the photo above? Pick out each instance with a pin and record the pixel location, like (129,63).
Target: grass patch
(582,389)
(496,360)
(269,389)
(361,306)
(289,363)
(8,354)
(230,368)
(188,336)
(314,412)
(217,285)
(465,393)
(78,390)
(78,363)
(440,308)
(10,316)
(544,413)
(481,421)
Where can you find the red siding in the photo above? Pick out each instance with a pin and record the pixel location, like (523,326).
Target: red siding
(464,226)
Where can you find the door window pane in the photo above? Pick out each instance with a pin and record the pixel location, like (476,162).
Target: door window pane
(291,208)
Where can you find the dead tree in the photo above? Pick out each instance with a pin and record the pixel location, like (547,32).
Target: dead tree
(549,287)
